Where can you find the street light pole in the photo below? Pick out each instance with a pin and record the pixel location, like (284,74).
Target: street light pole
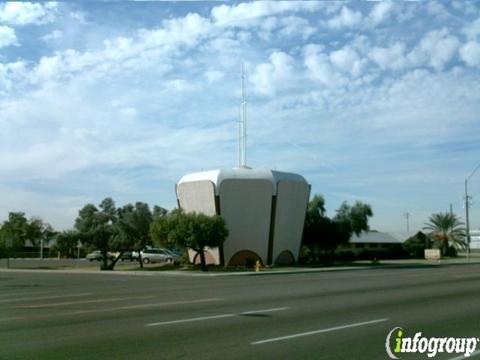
(407,216)
(467,205)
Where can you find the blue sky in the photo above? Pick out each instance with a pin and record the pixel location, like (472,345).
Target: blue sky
(370,101)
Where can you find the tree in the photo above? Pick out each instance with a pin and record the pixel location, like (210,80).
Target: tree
(323,235)
(416,245)
(134,228)
(354,218)
(96,227)
(39,233)
(17,230)
(109,229)
(190,230)
(446,229)
(67,243)
(14,231)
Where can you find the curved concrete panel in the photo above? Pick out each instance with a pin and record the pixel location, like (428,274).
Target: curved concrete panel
(218,176)
(245,204)
(292,200)
(198,196)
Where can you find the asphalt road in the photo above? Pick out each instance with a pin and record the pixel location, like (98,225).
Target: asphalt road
(331,315)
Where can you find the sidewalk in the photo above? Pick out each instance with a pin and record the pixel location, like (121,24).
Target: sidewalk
(357,265)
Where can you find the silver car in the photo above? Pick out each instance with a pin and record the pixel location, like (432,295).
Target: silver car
(156,255)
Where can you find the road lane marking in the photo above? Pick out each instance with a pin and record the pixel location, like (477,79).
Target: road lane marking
(221,316)
(141,306)
(191,319)
(83,302)
(24,293)
(264,311)
(461,357)
(12,318)
(341,327)
(45,298)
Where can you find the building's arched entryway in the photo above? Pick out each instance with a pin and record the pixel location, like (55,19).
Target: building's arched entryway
(244,258)
(285,258)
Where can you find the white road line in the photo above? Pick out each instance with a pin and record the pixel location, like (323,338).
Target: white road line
(461,357)
(24,293)
(12,318)
(44,298)
(264,311)
(191,319)
(221,316)
(287,337)
(83,302)
(141,306)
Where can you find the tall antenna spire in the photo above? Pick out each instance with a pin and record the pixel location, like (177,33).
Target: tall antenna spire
(242,141)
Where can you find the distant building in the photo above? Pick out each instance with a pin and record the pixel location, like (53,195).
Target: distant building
(475,239)
(375,243)
(264,211)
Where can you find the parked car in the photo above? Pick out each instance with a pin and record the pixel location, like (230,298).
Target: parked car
(155,255)
(127,255)
(97,255)
(176,256)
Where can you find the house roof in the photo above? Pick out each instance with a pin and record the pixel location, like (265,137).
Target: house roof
(376,237)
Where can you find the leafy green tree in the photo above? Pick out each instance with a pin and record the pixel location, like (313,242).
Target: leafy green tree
(446,229)
(97,228)
(67,243)
(190,230)
(17,230)
(14,231)
(134,228)
(110,229)
(159,211)
(354,218)
(416,245)
(323,235)
(39,232)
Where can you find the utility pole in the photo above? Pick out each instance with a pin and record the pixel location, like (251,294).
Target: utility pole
(467,205)
(407,216)
(467,222)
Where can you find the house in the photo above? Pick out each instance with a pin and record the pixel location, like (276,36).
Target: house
(375,244)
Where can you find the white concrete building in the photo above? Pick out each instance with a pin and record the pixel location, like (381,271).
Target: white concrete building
(264,211)
(475,239)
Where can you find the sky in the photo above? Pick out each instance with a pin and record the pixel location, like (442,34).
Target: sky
(371,101)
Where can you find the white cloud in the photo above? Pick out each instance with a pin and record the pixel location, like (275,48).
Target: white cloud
(7,36)
(246,14)
(320,67)
(11,74)
(392,57)
(213,75)
(347,60)
(295,25)
(24,13)
(470,53)
(275,75)
(54,35)
(346,19)
(472,30)
(381,12)
(107,116)
(436,49)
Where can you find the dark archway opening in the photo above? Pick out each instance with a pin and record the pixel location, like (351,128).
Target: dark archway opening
(245,258)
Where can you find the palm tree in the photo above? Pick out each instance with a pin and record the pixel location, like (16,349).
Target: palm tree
(446,228)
